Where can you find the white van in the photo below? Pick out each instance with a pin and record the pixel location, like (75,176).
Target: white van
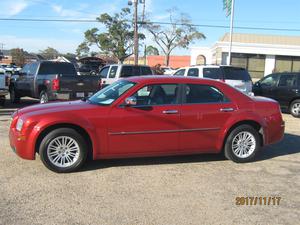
(235,76)
(112,73)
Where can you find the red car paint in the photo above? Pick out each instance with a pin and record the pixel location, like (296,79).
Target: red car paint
(117,132)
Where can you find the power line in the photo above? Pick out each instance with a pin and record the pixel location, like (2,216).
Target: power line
(153,22)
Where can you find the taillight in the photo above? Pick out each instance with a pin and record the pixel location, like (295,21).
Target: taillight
(55,84)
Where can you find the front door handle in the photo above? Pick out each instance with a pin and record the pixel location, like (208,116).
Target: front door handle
(226,109)
(170,111)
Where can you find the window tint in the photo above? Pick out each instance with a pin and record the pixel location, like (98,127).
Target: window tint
(180,72)
(104,71)
(127,71)
(288,80)
(146,70)
(113,72)
(196,93)
(193,72)
(269,81)
(157,94)
(32,69)
(65,69)
(212,73)
(232,73)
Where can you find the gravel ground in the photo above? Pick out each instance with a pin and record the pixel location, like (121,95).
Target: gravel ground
(198,189)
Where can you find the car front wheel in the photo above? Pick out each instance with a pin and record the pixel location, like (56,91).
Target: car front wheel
(242,144)
(63,150)
(295,108)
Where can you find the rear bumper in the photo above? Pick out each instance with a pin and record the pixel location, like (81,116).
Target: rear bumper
(21,145)
(275,134)
(65,96)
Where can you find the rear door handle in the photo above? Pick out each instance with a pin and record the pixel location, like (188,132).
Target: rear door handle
(226,109)
(170,111)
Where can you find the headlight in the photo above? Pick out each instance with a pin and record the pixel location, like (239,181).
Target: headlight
(19,124)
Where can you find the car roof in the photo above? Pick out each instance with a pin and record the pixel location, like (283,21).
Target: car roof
(127,65)
(175,79)
(209,66)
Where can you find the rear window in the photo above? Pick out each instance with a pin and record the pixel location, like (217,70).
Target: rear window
(232,73)
(65,69)
(146,70)
(212,73)
(129,71)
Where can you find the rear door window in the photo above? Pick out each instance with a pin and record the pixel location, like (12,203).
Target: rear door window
(127,71)
(65,69)
(196,93)
(180,72)
(233,73)
(212,73)
(289,80)
(193,72)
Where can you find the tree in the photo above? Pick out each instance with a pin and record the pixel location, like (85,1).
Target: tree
(82,50)
(180,33)
(49,53)
(151,50)
(18,56)
(118,40)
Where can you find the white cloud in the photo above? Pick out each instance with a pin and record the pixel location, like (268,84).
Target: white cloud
(12,8)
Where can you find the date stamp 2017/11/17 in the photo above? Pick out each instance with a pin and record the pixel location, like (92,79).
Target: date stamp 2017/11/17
(262,200)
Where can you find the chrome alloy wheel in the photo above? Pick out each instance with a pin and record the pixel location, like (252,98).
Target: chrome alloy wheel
(296,109)
(63,151)
(243,144)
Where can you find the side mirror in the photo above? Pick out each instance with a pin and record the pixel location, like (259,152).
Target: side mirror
(130,101)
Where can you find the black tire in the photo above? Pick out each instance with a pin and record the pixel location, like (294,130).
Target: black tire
(293,108)
(14,97)
(45,150)
(44,98)
(233,137)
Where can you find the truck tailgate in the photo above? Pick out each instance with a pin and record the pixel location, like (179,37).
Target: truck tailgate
(79,86)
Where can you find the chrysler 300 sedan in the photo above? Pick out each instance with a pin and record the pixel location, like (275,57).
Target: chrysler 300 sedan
(147,116)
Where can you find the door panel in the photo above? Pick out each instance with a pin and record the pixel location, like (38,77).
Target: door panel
(203,114)
(149,126)
(143,130)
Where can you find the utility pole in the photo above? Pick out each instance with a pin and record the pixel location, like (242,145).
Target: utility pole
(231,32)
(136,35)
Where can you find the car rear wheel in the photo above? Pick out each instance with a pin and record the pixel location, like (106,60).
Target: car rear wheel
(242,144)
(295,108)
(63,150)
(44,97)
(14,98)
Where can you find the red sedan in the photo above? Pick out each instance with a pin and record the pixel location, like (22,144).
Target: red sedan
(147,116)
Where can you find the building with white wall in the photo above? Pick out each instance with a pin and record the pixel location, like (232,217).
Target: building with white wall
(260,54)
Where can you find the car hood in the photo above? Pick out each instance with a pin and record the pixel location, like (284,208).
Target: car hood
(56,107)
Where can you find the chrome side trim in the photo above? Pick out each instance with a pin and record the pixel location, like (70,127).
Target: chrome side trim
(162,131)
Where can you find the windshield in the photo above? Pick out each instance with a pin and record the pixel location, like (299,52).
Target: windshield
(111,93)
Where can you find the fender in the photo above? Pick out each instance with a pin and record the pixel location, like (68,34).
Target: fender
(52,120)
(237,118)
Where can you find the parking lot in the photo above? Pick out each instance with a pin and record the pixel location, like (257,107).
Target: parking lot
(198,189)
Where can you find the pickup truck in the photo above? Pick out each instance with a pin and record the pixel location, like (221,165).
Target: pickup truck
(3,86)
(49,81)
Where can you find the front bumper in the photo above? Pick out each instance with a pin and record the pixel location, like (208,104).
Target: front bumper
(21,145)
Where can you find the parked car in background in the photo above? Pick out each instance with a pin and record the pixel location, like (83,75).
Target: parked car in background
(235,76)
(3,86)
(167,70)
(112,73)
(284,88)
(147,116)
(50,80)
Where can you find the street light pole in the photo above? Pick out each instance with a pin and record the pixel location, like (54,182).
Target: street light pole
(136,37)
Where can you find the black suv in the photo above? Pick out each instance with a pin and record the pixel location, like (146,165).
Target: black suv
(283,87)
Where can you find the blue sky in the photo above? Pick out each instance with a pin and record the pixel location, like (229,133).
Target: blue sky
(34,36)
